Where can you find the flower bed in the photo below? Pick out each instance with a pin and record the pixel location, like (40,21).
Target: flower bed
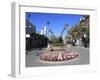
(58,56)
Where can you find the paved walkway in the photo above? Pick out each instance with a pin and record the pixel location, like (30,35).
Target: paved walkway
(33,58)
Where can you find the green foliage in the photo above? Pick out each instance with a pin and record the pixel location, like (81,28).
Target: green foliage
(56,41)
(78,31)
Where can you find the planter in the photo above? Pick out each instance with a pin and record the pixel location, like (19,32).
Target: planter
(58,56)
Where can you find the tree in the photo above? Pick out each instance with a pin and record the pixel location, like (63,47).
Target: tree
(53,39)
(60,39)
(48,22)
(64,29)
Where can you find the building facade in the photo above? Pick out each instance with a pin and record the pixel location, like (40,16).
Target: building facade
(33,39)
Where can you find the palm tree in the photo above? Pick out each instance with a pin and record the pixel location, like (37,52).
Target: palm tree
(65,28)
(48,24)
(51,31)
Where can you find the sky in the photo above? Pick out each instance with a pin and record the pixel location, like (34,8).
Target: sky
(57,21)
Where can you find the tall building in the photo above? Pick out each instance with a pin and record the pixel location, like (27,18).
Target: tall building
(30,28)
(34,39)
(85,24)
(44,31)
(85,21)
